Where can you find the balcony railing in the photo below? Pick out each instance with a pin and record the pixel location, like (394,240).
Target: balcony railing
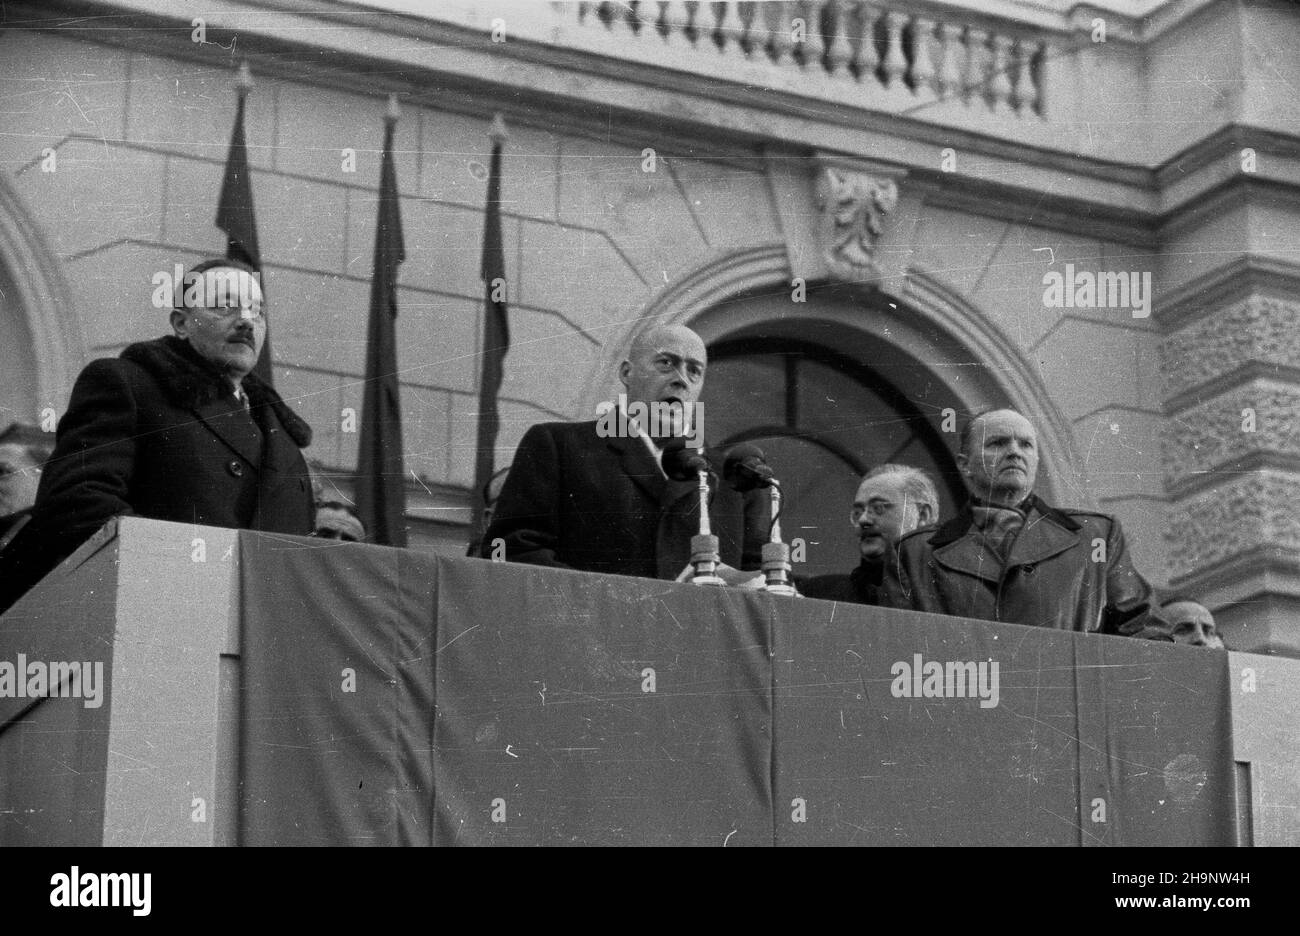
(926,52)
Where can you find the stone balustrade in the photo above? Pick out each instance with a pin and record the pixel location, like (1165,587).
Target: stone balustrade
(926,51)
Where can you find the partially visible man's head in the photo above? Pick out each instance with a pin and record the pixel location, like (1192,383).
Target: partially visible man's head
(225,322)
(892,501)
(491,494)
(336,520)
(20,476)
(665,365)
(999,456)
(1191,623)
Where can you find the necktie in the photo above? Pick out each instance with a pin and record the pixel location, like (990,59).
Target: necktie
(242,397)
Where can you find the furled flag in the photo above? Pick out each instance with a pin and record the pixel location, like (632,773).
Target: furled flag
(235,210)
(381,483)
(496,326)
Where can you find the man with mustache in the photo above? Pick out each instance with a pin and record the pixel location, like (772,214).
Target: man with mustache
(595,496)
(1009,556)
(892,501)
(177,428)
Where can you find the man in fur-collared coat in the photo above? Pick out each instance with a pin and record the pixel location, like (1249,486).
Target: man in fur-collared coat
(176,429)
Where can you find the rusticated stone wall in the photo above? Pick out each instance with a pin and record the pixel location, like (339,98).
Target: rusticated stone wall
(1231,454)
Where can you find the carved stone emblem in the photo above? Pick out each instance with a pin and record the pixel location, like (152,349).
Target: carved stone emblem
(853,205)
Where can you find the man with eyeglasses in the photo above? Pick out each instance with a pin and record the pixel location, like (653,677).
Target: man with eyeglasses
(595,496)
(892,501)
(1010,556)
(177,428)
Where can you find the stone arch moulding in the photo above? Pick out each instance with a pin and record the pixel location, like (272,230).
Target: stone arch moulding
(1007,378)
(44,300)
(925,321)
(710,284)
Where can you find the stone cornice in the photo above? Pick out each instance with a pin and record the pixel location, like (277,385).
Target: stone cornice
(1232,282)
(1207,207)
(1226,141)
(1214,477)
(1004,202)
(1263,570)
(1232,380)
(1157,22)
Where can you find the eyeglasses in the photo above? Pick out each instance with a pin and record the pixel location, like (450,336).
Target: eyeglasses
(877,509)
(252,313)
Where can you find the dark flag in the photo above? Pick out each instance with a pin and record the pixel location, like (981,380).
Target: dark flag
(496,327)
(381,482)
(235,210)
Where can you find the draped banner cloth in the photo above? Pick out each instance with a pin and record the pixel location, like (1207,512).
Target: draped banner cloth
(393,698)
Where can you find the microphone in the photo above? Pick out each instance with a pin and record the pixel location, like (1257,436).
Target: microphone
(681,463)
(688,464)
(745,469)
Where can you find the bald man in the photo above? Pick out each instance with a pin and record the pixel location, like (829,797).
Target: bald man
(1191,623)
(594,495)
(1009,556)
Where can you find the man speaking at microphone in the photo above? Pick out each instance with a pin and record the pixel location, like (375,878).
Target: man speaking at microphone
(595,495)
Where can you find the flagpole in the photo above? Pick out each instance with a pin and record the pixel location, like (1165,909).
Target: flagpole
(496,327)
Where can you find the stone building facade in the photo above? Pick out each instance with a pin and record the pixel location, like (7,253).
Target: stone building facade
(859,205)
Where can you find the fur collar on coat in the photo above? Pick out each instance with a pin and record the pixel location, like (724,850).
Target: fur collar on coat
(190,382)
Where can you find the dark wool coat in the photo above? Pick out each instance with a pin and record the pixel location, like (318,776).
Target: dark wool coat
(576,500)
(861,586)
(159,433)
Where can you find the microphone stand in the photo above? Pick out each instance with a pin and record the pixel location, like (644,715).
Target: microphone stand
(776,554)
(704,545)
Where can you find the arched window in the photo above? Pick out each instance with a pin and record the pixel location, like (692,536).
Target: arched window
(41,343)
(822,419)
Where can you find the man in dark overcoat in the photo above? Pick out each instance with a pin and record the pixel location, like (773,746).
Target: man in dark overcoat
(177,428)
(595,495)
